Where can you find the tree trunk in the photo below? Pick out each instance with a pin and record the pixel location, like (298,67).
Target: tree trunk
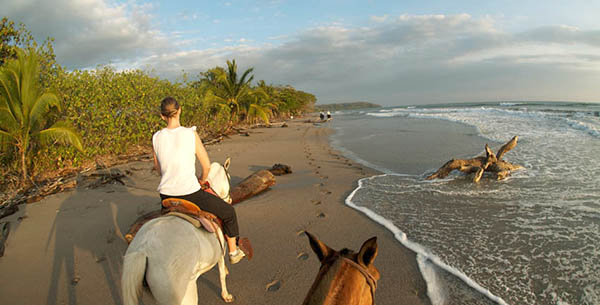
(23,165)
(252,185)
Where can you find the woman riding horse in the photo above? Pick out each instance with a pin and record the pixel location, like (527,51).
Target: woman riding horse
(175,151)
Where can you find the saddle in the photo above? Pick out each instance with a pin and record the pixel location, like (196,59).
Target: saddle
(189,211)
(183,209)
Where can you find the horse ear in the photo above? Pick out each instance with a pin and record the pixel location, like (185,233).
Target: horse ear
(320,249)
(368,251)
(227,162)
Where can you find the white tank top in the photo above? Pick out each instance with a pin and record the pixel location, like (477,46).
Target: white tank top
(176,153)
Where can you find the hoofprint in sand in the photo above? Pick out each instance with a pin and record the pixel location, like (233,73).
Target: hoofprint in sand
(68,248)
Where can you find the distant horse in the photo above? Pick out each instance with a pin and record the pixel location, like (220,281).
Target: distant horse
(345,277)
(171,254)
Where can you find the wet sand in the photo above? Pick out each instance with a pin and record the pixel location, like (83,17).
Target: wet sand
(68,248)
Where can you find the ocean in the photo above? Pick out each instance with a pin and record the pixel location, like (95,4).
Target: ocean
(533,238)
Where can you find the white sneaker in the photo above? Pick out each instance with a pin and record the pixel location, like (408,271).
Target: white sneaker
(236,256)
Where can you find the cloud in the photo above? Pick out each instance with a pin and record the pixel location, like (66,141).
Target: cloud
(90,32)
(404,59)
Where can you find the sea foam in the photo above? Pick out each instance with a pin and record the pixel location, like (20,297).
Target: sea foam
(433,292)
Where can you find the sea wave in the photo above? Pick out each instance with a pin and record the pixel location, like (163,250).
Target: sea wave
(424,255)
(544,218)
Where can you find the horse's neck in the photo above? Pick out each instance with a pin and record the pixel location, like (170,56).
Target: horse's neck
(218,179)
(340,284)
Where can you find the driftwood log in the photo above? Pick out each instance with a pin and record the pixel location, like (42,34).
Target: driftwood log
(4,230)
(8,211)
(280,169)
(490,163)
(252,185)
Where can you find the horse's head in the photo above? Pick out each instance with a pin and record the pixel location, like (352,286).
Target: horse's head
(220,180)
(345,277)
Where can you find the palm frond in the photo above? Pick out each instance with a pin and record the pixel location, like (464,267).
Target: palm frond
(42,106)
(8,122)
(29,85)
(212,98)
(6,139)
(258,111)
(63,133)
(9,91)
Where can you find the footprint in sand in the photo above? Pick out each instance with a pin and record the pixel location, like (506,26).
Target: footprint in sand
(302,256)
(273,286)
(325,192)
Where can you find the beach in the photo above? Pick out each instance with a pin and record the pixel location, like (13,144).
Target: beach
(68,248)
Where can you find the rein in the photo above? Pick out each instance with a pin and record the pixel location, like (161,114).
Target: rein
(370,279)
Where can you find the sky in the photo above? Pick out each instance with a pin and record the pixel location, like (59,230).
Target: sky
(387,52)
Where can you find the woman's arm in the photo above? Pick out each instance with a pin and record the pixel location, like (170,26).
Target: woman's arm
(202,155)
(156,164)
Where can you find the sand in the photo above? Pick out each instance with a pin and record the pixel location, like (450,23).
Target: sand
(68,248)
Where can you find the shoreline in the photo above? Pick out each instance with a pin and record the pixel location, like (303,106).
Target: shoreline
(70,245)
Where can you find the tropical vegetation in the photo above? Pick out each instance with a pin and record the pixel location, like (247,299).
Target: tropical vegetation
(104,112)
(26,119)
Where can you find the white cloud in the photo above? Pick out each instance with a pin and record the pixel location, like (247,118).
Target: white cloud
(403,59)
(90,32)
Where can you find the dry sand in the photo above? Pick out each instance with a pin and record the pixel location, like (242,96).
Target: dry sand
(68,248)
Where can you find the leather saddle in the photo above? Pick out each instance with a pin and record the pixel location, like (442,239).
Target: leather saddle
(189,211)
(183,209)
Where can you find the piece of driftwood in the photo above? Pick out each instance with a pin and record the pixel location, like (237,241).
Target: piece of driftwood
(479,165)
(106,177)
(213,141)
(8,211)
(39,191)
(4,230)
(252,185)
(280,169)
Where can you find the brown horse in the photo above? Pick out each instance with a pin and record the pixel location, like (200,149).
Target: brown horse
(345,277)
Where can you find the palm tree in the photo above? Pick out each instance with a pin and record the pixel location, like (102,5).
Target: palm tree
(227,89)
(25,109)
(259,106)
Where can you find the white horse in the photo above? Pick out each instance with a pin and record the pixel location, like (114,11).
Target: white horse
(171,253)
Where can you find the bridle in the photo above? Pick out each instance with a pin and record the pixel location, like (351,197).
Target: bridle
(369,278)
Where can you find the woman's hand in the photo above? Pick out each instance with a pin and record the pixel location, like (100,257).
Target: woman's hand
(204,184)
